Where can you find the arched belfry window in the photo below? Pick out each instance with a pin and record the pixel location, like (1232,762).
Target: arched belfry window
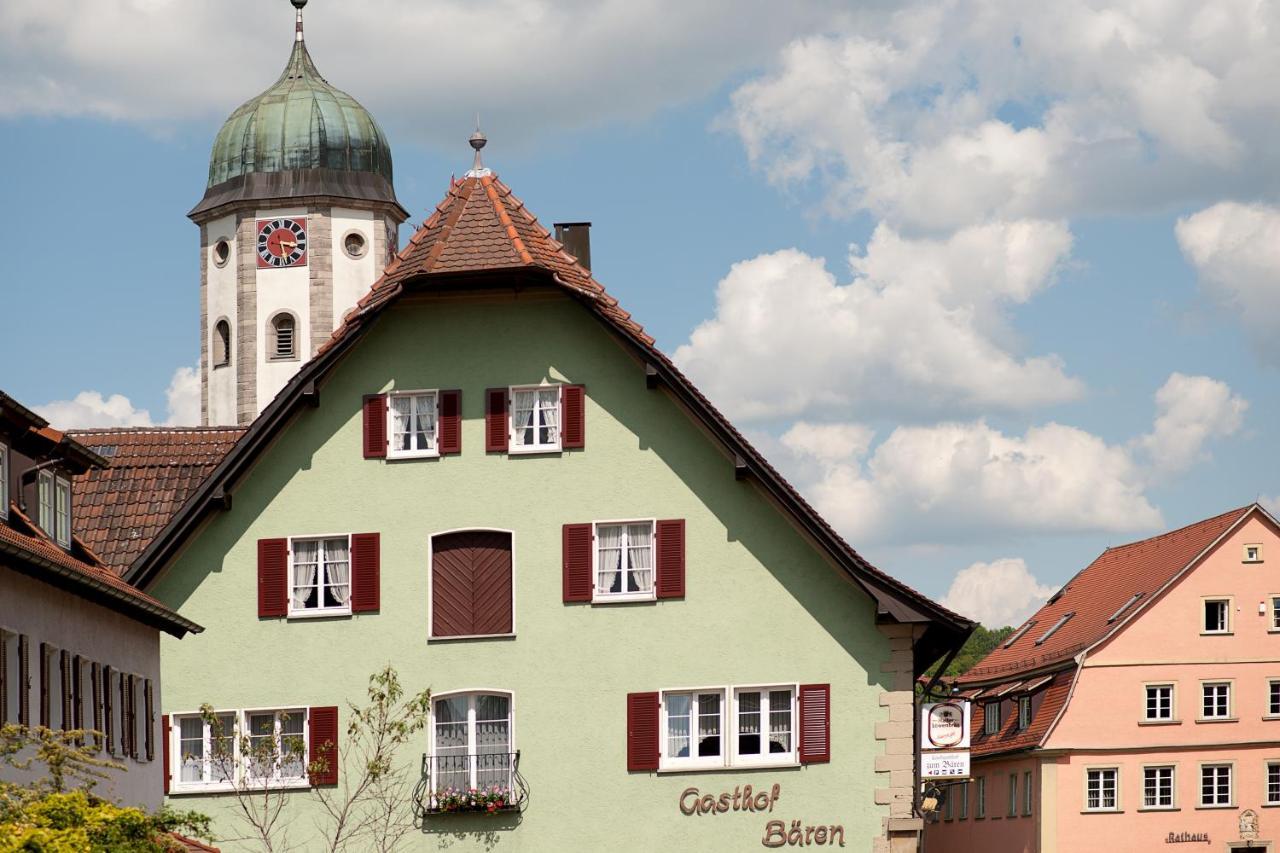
(283,341)
(221,344)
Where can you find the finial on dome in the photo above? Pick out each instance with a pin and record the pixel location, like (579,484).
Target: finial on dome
(477,141)
(298,4)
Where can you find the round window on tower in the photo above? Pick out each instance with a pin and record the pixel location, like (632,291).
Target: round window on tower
(221,252)
(354,244)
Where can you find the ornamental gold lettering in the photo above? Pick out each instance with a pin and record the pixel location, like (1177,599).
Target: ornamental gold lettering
(689,792)
(775,834)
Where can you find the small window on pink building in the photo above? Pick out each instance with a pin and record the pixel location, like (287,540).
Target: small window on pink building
(1160,702)
(1101,785)
(1273,698)
(1217,616)
(1273,783)
(1253,553)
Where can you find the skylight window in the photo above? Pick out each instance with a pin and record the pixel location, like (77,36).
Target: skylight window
(1056,625)
(1017,635)
(1125,606)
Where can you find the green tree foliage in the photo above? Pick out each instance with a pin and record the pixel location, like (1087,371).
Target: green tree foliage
(56,813)
(979,645)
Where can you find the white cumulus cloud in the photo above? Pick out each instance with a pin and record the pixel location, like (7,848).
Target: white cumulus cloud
(1190,411)
(963,480)
(944,113)
(920,328)
(1235,249)
(422,68)
(93,409)
(1002,592)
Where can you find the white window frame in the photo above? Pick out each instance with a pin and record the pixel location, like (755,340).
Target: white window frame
(1024,713)
(1274,625)
(598,597)
(1273,694)
(551,447)
(4,480)
(1231,785)
(240,728)
(1271,766)
(990,722)
(693,762)
(1147,690)
(1229,713)
(321,611)
(1172,771)
(62,511)
(1227,607)
(764,759)
(1252,552)
(471,695)
(1115,788)
(393,452)
(44,501)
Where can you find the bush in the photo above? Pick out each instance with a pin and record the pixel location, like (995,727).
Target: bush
(77,821)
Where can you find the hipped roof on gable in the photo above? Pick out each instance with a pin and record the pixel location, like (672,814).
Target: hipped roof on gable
(481,228)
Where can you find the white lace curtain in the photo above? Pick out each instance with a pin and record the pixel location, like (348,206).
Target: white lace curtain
(609,560)
(306,561)
(640,556)
(522,406)
(338,569)
(549,404)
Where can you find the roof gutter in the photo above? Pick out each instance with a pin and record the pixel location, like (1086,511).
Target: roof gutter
(144,611)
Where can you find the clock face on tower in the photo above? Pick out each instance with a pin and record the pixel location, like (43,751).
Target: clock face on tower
(282,243)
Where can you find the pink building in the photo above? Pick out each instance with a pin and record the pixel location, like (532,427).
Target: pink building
(1138,710)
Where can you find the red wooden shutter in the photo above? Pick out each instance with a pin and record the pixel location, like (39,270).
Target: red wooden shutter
(815,723)
(44,684)
(450,422)
(495,420)
(24,680)
(366,563)
(642,731)
(573,416)
(324,745)
(375,426)
(165,737)
(471,586)
(273,577)
(669,538)
(576,577)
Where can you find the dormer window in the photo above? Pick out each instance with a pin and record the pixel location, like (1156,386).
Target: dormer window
(991,718)
(54,515)
(1024,713)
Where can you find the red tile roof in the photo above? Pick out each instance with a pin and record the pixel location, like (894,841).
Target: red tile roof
(22,541)
(1048,700)
(193,845)
(1096,594)
(152,471)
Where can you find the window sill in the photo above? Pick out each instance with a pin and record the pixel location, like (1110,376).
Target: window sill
(225,364)
(1271,805)
(1159,722)
(176,789)
(1217,807)
(715,768)
(273,359)
(1271,716)
(320,614)
(513,450)
(636,598)
(1217,720)
(1159,809)
(457,637)
(1102,811)
(413,454)
(1217,633)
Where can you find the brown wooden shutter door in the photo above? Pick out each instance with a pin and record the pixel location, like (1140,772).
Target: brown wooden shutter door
(375,426)
(95,688)
(64,673)
(495,420)
(165,737)
(576,544)
(669,539)
(366,563)
(815,723)
(108,712)
(273,577)
(24,680)
(324,744)
(44,684)
(471,584)
(642,731)
(4,680)
(450,422)
(77,694)
(573,414)
(149,719)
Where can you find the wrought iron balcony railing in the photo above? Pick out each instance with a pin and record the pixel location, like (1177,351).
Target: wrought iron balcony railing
(484,783)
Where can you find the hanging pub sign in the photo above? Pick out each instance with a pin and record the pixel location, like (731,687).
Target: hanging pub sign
(944,740)
(945,725)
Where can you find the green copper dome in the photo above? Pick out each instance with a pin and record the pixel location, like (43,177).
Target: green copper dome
(301,122)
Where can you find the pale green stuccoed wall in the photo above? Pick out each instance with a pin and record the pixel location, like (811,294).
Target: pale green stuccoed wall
(761,607)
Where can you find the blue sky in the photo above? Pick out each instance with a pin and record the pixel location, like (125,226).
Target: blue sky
(973,402)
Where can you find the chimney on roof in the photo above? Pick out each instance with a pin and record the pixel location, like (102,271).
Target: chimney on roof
(576,239)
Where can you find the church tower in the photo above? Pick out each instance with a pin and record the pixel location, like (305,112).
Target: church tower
(298,219)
